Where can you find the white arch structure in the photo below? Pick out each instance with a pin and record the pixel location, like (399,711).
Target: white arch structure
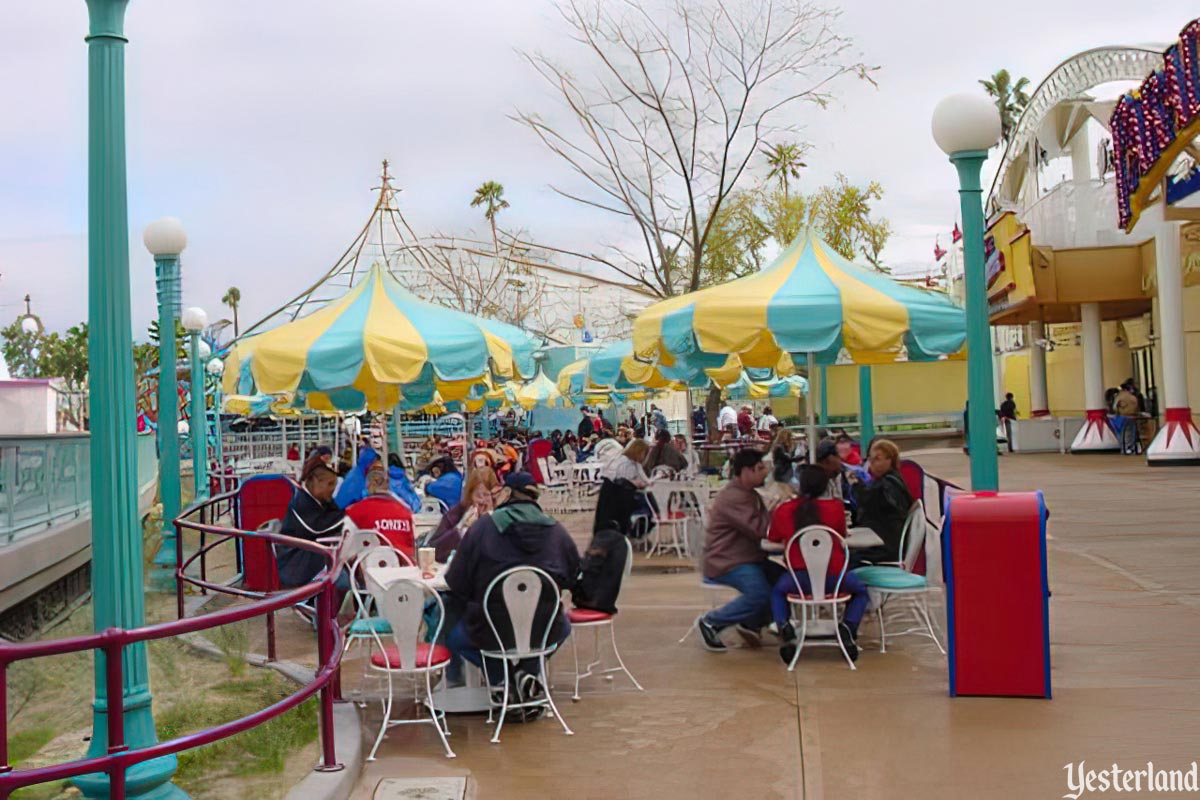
(1065,86)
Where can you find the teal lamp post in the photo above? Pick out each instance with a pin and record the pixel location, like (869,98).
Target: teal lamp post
(965,127)
(118,599)
(194,322)
(866,408)
(216,369)
(166,239)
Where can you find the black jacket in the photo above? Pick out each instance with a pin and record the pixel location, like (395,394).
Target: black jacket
(515,534)
(883,506)
(585,429)
(306,518)
(615,505)
(602,572)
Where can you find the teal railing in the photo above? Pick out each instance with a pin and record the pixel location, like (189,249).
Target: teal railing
(46,480)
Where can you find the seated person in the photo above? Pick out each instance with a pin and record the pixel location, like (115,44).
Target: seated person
(733,554)
(627,464)
(607,449)
(882,503)
(516,534)
(812,508)
(312,514)
(383,512)
(847,451)
(447,483)
(664,454)
(479,499)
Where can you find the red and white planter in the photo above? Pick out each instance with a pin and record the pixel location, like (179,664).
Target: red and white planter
(1178,442)
(1096,435)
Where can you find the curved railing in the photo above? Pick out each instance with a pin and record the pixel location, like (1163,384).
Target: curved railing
(113,641)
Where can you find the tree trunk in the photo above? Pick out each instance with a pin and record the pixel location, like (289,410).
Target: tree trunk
(712,408)
(235,321)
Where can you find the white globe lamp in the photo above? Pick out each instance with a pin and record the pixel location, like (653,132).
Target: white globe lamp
(965,122)
(216,368)
(194,319)
(165,237)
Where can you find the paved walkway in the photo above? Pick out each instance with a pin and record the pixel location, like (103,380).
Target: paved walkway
(1125,615)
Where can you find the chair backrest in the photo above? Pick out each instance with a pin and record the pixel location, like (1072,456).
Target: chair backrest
(548,475)
(521,590)
(432,505)
(358,542)
(816,543)
(914,477)
(402,603)
(662,471)
(912,538)
(661,490)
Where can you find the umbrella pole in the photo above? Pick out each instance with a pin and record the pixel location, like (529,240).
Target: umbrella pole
(808,407)
(687,422)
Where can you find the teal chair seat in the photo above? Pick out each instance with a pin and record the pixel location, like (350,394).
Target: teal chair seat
(370,625)
(890,578)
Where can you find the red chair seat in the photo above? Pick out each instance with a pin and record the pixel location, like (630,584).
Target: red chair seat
(797,598)
(390,657)
(673,515)
(584,615)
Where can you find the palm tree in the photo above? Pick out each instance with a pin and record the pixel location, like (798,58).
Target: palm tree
(491,195)
(785,163)
(233,298)
(1010,99)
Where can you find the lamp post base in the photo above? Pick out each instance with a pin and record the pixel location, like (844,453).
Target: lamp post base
(1096,435)
(162,570)
(150,780)
(1178,443)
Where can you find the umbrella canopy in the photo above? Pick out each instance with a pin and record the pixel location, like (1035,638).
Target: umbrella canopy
(808,300)
(540,391)
(375,346)
(746,389)
(614,369)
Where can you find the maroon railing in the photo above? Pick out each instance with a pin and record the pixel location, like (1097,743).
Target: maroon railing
(113,641)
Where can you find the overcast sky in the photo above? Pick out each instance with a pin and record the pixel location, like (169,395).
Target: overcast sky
(262,124)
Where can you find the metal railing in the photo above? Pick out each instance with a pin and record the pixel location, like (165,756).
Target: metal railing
(113,641)
(47,479)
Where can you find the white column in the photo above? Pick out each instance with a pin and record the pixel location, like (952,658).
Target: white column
(1081,156)
(1039,396)
(810,430)
(1179,441)
(1097,434)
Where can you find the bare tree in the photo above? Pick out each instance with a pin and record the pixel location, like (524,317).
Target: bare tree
(674,102)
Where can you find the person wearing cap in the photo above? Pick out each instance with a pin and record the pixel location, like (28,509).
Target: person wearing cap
(517,533)
(312,514)
(383,512)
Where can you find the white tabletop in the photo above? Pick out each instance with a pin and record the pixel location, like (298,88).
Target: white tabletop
(378,577)
(856,539)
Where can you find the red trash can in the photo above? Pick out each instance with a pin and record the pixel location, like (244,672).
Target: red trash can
(997,594)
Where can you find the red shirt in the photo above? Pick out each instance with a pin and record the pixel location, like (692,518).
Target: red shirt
(831,513)
(388,517)
(745,423)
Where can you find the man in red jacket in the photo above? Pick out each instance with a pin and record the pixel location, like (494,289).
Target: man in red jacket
(382,512)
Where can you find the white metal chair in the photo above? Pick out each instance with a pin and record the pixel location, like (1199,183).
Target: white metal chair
(365,623)
(403,606)
(817,543)
(670,523)
(588,618)
(898,582)
(556,490)
(520,590)
(714,593)
(432,505)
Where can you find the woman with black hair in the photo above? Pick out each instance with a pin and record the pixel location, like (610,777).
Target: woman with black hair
(796,515)
(311,514)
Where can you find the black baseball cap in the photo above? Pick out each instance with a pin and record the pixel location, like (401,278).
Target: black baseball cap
(826,448)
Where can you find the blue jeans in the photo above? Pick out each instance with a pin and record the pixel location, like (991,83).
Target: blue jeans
(752,606)
(460,644)
(851,584)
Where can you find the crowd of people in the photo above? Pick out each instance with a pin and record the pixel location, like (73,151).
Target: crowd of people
(491,520)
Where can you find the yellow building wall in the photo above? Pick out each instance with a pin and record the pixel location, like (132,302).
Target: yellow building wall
(933,387)
(1064,373)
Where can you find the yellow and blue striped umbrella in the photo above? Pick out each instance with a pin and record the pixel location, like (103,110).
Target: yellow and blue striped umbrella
(541,391)
(808,300)
(747,389)
(378,346)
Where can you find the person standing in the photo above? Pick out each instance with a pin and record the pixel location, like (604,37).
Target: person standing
(733,554)
(745,422)
(659,418)
(768,422)
(1008,409)
(727,420)
(586,428)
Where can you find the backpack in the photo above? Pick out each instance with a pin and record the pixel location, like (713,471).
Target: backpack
(601,572)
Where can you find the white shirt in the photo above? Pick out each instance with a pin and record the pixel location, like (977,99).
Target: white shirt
(605,451)
(624,467)
(726,418)
(765,422)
